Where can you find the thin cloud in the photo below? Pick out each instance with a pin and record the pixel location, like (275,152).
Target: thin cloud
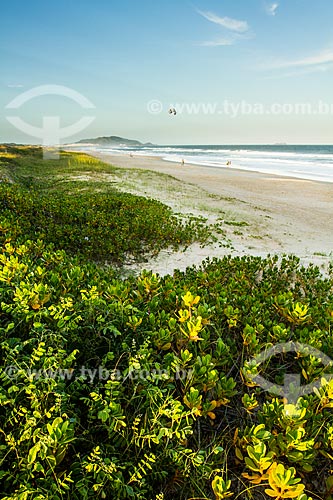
(325,57)
(15,85)
(217,43)
(226,22)
(236,30)
(271,8)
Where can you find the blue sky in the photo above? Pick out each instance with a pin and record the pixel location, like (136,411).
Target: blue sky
(121,55)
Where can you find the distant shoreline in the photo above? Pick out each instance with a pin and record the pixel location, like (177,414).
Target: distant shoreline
(126,156)
(307,162)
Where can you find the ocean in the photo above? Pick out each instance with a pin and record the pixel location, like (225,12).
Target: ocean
(313,162)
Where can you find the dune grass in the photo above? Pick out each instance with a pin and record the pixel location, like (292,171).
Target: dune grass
(87,218)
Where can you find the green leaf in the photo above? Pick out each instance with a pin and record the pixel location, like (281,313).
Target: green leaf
(103,414)
(33,453)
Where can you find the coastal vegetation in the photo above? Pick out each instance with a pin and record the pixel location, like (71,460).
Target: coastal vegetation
(145,387)
(54,202)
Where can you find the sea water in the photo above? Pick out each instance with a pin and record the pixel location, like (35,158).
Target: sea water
(312,162)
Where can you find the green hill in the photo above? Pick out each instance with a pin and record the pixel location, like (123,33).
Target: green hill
(114,140)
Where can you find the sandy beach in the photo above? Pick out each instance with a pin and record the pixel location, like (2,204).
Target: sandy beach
(262,213)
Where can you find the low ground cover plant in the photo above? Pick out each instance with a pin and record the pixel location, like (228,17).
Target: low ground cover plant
(145,387)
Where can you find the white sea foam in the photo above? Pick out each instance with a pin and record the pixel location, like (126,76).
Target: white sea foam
(304,162)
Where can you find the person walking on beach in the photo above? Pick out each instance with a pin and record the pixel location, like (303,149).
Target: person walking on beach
(183,162)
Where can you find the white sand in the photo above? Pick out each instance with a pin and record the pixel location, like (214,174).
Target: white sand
(285,215)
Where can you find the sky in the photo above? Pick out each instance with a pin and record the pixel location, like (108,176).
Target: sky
(235,71)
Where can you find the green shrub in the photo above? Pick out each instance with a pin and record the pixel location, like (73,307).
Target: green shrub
(138,388)
(132,388)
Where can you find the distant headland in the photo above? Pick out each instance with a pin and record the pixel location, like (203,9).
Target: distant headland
(114,140)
